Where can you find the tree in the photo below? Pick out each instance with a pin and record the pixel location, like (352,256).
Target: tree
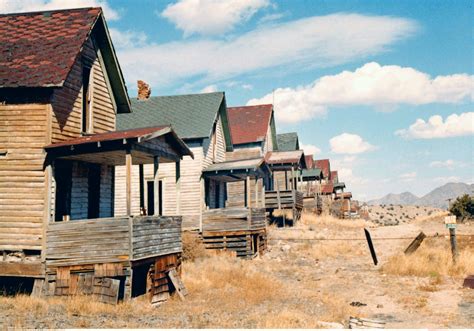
(463,207)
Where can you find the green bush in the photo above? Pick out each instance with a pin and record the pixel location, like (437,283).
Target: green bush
(463,207)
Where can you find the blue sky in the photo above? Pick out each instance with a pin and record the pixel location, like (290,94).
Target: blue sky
(382,88)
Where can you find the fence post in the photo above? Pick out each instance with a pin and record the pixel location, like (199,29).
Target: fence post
(452,239)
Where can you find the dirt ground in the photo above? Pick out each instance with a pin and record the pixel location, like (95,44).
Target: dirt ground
(299,283)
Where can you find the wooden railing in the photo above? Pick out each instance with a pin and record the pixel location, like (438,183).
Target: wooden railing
(108,240)
(287,199)
(233,219)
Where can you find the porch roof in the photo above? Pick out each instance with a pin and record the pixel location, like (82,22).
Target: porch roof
(312,174)
(285,159)
(231,171)
(110,147)
(339,185)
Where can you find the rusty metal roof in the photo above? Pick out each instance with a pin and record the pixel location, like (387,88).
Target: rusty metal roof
(141,134)
(325,166)
(327,188)
(285,157)
(249,124)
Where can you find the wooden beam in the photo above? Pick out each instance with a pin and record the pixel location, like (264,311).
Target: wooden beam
(256,192)
(142,187)
(128,183)
(156,198)
(178,187)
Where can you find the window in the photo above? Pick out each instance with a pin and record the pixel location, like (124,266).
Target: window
(87,84)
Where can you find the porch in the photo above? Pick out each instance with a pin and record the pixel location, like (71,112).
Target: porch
(285,186)
(240,229)
(88,249)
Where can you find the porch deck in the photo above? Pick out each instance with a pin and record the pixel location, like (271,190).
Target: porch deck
(287,199)
(111,240)
(242,230)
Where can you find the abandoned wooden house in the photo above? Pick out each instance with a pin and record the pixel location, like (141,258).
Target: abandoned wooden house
(237,228)
(283,192)
(311,185)
(288,141)
(324,199)
(61,88)
(201,121)
(253,134)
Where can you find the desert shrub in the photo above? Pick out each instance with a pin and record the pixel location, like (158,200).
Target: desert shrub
(193,247)
(463,207)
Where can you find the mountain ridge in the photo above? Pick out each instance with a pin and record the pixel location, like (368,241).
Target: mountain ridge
(436,198)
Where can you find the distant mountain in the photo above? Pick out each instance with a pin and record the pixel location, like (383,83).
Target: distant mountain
(436,198)
(405,198)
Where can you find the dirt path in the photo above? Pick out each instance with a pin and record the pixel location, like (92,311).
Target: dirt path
(400,301)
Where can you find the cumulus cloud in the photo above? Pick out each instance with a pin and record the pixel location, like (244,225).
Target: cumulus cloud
(15,6)
(448,179)
(408,177)
(310,149)
(448,164)
(209,89)
(347,143)
(454,126)
(129,38)
(383,87)
(211,17)
(317,41)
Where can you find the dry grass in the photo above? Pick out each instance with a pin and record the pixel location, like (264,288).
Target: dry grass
(319,221)
(433,258)
(327,249)
(193,248)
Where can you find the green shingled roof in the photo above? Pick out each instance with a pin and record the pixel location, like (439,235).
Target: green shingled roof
(191,115)
(288,141)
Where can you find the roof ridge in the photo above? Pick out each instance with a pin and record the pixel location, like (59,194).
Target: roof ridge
(262,105)
(177,95)
(49,11)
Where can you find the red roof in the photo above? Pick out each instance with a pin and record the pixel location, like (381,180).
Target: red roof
(324,166)
(109,136)
(334,176)
(249,124)
(38,49)
(309,161)
(327,188)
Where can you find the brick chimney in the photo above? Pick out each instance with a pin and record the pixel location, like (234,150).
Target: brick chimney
(144,90)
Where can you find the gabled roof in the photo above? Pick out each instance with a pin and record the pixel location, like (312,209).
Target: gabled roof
(325,166)
(285,157)
(249,124)
(38,49)
(309,161)
(288,141)
(236,170)
(334,176)
(327,188)
(311,174)
(191,116)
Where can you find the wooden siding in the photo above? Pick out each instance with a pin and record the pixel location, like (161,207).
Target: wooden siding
(23,133)
(233,219)
(288,199)
(244,153)
(236,193)
(111,240)
(67,101)
(191,185)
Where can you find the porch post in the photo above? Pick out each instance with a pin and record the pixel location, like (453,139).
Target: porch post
(249,196)
(156,198)
(286,180)
(292,178)
(128,183)
(256,191)
(178,187)
(263,193)
(142,188)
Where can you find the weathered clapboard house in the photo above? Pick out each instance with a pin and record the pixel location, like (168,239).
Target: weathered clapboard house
(311,185)
(201,121)
(253,134)
(61,89)
(324,198)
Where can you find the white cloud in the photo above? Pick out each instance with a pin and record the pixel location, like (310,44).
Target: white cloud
(211,17)
(383,87)
(448,179)
(449,164)
(209,89)
(247,86)
(317,41)
(347,143)
(408,177)
(15,6)
(454,126)
(129,38)
(310,149)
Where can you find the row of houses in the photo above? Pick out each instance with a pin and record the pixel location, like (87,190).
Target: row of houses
(96,187)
